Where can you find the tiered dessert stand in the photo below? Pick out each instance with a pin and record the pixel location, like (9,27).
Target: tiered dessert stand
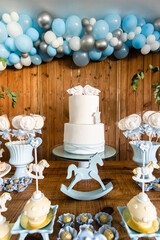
(86,169)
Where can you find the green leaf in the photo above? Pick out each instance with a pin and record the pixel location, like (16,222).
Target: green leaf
(14,94)
(2,87)
(141,75)
(3,61)
(14,99)
(154,85)
(9,95)
(7,89)
(150,66)
(155,69)
(2,95)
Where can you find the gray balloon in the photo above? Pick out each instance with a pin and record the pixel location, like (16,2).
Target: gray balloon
(60,49)
(37,43)
(87,42)
(157,24)
(119,45)
(85,22)
(43,46)
(44,20)
(24,55)
(42,36)
(117,33)
(101,44)
(89,28)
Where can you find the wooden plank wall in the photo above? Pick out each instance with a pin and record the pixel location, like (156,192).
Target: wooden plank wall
(42,90)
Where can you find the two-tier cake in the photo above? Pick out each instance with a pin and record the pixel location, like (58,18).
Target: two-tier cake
(84,134)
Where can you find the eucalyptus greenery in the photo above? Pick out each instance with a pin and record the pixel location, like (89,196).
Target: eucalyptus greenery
(12,95)
(3,61)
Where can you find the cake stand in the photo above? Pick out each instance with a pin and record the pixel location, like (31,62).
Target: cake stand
(86,169)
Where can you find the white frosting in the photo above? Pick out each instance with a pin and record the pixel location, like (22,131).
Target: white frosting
(154,120)
(16,121)
(87,90)
(78,90)
(39,121)
(4,123)
(146,116)
(27,123)
(82,109)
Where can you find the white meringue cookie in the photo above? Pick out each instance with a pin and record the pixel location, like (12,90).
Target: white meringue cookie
(39,121)
(121,124)
(16,121)
(27,123)
(133,121)
(154,120)
(146,116)
(4,123)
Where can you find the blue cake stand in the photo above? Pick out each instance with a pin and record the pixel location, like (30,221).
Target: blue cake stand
(133,234)
(45,231)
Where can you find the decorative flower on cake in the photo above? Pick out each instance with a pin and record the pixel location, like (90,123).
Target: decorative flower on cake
(87,90)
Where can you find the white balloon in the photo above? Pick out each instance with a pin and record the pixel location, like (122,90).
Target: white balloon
(60,40)
(131,35)
(26,61)
(2,67)
(6,18)
(145,49)
(75,43)
(18,65)
(154,46)
(124,37)
(92,21)
(49,37)
(55,43)
(109,36)
(14,16)
(151,39)
(114,41)
(14,29)
(137,30)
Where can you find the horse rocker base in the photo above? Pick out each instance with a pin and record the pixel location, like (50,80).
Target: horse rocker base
(86,173)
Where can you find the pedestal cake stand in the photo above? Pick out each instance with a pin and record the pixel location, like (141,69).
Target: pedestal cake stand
(87,169)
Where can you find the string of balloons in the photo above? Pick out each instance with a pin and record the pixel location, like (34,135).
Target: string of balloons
(25,40)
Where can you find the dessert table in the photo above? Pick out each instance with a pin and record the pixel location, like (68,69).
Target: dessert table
(118,172)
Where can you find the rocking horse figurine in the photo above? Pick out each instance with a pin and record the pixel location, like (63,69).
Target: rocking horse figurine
(39,168)
(82,173)
(146,171)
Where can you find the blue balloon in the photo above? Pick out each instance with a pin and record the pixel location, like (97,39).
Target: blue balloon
(100,29)
(80,58)
(36,59)
(147,29)
(14,58)
(129,43)
(141,22)
(113,20)
(23,43)
(129,23)
(122,53)
(139,41)
(25,21)
(58,27)
(33,51)
(45,57)
(108,51)
(156,34)
(10,44)
(51,51)
(59,55)
(4,53)
(8,63)
(33,34)
(66,48)
(37,27)
(3,33)
(94,54)
(73,26)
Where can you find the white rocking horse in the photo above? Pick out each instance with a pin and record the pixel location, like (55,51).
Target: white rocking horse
(147,171)
(82,173)
(39,168)
(3,199)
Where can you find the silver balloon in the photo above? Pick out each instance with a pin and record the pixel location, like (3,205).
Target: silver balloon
(24,55)
(85,22)
(117,33)
(87,42)
(119,45)
(60,50)
(101,44)
(37,43)
(44,20)
(157,24)
(42,36)
(43,46)
(89,28)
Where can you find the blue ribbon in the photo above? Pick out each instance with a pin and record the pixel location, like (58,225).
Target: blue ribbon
(134,134)
(5,134)
(21,133)
(90,147)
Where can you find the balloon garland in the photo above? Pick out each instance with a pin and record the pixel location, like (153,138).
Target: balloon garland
(25,41)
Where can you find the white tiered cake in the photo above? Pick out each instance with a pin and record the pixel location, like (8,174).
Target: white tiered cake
(84,134)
